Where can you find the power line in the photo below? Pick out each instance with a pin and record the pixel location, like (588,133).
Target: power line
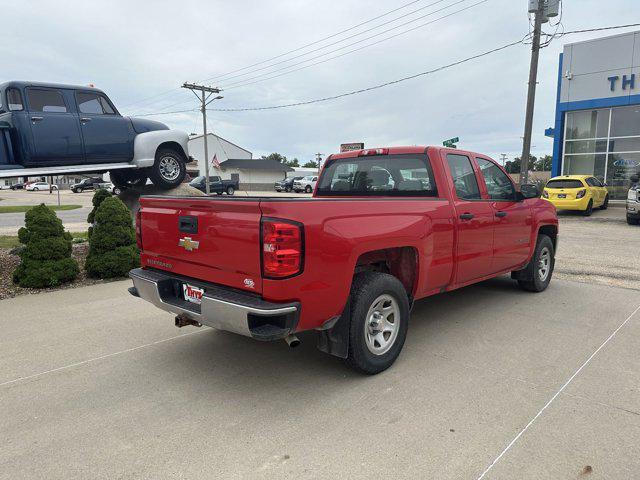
(347,38)
(242,84)
(282,54)
(375,87)
(315,42)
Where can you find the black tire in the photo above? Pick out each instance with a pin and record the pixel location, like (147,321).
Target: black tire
(605,205)
(632,221)
(589,210)
(287,189)
(532,279)
(116,190)
(230,190)
(35,189)
(308,189)
(366,290)
(128,178)
(79,190)
(169,169)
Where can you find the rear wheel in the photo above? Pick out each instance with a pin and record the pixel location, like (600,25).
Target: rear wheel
(169,169)
(537,274)
(605,205)
(116,190)
(230,190)
(632,221)
(589,209)
(308,189)
(379,321)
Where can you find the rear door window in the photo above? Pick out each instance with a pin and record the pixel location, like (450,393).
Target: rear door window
(499,185)
(46,100)
(564,183)
(14,99)
(464,178)
(379,175)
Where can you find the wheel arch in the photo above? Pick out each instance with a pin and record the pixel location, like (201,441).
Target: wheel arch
(146,145)
(550,231)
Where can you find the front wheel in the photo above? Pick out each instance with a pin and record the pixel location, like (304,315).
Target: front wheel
(632,221)
(379,322)
(116,190)
(169,169)
(287,189)
(537,274)
(35,189)
(308,189)
(230,190)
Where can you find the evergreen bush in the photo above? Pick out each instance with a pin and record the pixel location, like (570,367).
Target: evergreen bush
(46,258)
(98,197)
(112,243)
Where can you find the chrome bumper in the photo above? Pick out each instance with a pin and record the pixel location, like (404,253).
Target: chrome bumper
(222,308)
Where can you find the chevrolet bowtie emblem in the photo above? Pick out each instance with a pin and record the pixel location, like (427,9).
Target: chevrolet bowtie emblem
(188,244)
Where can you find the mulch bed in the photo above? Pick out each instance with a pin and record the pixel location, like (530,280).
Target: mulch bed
(9,261)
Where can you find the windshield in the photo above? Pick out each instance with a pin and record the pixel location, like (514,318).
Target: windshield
(383,175)
(564,184)
(196,180)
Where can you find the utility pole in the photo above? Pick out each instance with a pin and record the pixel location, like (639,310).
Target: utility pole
(542,10)
(319,160)
(503,159)
(203,98)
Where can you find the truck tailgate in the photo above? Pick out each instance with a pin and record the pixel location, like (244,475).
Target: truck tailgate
(211,240)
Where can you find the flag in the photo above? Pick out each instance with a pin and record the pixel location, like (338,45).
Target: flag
(215,162)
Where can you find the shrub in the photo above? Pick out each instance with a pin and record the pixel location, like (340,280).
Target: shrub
(98,198)
(46,258)
(112,243)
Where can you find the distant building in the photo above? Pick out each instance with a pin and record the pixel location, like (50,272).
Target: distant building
(218,146)
(302,172)
(253,174)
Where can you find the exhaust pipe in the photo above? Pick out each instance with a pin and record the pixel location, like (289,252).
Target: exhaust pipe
(183,321)
(292,340)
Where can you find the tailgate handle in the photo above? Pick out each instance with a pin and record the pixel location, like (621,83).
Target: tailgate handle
(188,224)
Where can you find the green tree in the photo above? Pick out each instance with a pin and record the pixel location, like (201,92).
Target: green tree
(543,164)
(98,197)
(275,156)
(112,245)
(310,164)
(46,258)
(293,163)
(512,166)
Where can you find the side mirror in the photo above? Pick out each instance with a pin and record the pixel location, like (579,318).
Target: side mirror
(528,190)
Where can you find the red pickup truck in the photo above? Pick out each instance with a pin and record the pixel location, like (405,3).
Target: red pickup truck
(385,227)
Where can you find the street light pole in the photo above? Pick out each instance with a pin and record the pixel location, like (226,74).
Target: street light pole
(205,94)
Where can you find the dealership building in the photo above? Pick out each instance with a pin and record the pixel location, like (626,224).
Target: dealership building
(597,123)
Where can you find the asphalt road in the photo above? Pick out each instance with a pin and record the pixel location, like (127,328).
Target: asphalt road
(97,384)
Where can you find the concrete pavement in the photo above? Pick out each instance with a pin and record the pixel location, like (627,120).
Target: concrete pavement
(97,384)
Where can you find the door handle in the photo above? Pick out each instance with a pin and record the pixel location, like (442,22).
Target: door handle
(467,216)
(85,119)
(36,119)
(501,214)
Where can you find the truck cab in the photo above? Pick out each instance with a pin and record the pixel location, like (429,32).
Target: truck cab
(51,129)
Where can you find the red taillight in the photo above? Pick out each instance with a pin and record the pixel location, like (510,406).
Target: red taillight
(581,193)
(139,229)
(281,248)
(374,151)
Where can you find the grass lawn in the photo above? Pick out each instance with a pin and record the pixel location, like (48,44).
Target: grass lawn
(24,208)
(10,241)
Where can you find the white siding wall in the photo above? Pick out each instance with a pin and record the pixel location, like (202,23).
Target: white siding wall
(253,179)
(219,146)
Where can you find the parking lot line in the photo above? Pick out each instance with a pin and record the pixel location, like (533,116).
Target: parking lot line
(101,357)
(566,384)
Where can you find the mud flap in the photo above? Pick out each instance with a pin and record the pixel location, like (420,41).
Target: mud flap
(335,340)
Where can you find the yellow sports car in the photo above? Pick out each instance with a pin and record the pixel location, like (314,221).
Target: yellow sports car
(576,192)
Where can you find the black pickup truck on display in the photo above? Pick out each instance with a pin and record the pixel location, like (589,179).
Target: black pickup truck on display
(216,185)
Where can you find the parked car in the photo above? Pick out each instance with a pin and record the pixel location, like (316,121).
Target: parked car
(50,129)
(87,184)
(216,185)
(350,262)
(286,185)
(633,201)
(18,186)
(577,192)
(305,184)
(40,186)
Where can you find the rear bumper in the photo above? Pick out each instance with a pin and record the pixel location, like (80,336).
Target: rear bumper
(222,308)
(561,204)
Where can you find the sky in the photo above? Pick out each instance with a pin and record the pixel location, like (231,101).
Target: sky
(140,52)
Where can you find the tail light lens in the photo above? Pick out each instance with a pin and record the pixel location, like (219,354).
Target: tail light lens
(282,248)
(545,194)
(139,229)
(581,193)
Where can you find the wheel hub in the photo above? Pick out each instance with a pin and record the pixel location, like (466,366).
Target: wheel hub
(382,324)
(544,264)
(169,168)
